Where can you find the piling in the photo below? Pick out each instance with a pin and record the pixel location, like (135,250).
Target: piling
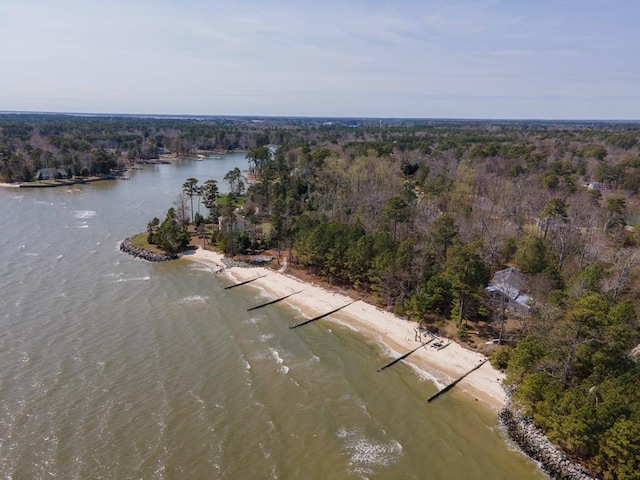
(273,301)
(243,283)
(321,316)
(455,382)
(393,362)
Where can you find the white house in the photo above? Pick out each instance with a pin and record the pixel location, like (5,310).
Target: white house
(596,186)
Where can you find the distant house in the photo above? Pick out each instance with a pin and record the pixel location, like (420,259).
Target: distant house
(509,285)
(239,222)
(51,173)
(596,186)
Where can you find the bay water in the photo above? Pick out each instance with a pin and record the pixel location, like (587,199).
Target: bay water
(115,368)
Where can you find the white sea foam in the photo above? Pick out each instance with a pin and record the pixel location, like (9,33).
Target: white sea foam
(196,397)
(194,299)
(280,361)
(200,267)
(367,455)
(344,324)
(440,380)
(134,279)
(277,356)
(84,214)
(313,360)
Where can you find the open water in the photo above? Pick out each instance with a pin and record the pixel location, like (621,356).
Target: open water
(114,368)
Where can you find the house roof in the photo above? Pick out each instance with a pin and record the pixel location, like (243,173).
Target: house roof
(510,278)
(512,284)
(51,171)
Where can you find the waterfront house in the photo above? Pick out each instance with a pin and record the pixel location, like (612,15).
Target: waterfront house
(508,286)
(51,173)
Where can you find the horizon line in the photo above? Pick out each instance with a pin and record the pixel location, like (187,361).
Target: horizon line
(310,117)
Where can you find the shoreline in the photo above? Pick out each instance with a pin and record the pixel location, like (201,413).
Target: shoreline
(59,183)
(127,247)
(396,335)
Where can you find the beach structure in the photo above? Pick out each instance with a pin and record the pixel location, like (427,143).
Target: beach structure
(596,186)
(239,222)
(508,286)
(455,382)
(449,359)
(243,283)
(321,316)
(51,173)
(271,302)
(399,359)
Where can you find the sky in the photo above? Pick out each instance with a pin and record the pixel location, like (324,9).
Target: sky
(488,59)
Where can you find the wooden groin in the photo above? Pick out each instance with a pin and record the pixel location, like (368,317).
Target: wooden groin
(273,301)
(321,316)
(455,382)
(399,359)
(244,283)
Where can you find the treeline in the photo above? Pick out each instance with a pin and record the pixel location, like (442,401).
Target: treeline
(76,145)
(574,374)
(219,223)
(424,224)
(420,214)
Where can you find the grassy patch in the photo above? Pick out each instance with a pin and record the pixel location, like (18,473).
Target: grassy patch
(236,199)
(140,241)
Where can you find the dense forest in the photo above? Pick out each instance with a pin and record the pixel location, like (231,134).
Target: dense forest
(419,215)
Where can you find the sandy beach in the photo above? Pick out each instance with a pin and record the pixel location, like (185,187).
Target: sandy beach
(398,335)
